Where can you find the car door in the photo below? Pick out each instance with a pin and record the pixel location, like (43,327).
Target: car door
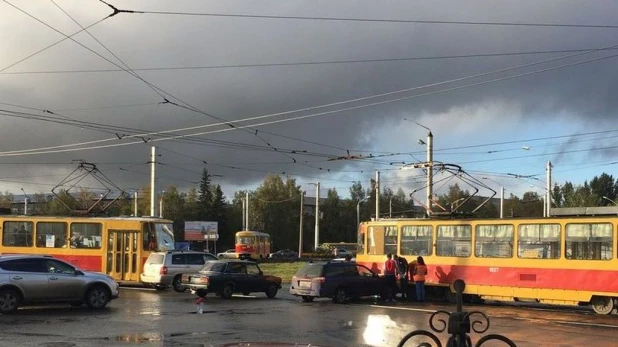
(255,279)
(237,273)
(64,282)
(355,284)
(29,275)
(372,283)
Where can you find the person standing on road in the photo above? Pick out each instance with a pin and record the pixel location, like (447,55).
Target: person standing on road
(402,273)
(390,268)
(420,271)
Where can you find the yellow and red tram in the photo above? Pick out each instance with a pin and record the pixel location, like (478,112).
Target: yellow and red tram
(117,246)
(567,260)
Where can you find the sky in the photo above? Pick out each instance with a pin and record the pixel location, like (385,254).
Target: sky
(319,91)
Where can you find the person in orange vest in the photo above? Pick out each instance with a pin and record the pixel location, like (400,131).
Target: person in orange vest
(420,271)
(390,268)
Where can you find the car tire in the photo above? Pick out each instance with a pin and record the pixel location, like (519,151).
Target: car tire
(271,291)
(307,298)
(9,301)
(97,297)
(177,284)
(340,295)
(227,291)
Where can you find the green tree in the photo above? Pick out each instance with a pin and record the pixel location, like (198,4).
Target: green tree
(274,209)
(6,199)
(604,186)
(205,198)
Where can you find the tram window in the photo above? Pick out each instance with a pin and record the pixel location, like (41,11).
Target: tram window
(454,241)
(589,241)
(86,235)
(390,239)
(361,239)
(416,240)
(51,235)
(17,234)
(539,241)
(375,240)
(494,241)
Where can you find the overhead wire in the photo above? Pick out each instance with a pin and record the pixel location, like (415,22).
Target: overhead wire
(320,62)
(371,20)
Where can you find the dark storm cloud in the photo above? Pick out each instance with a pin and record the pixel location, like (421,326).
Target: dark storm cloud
(142,41)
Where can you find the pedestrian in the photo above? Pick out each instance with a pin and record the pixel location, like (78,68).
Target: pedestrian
(199,302)
(390,269)
(402,273)
(420,271)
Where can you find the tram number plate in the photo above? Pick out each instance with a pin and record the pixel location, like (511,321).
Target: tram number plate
(494,269)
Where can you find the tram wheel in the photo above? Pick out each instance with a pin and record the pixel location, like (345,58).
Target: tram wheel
(602,304)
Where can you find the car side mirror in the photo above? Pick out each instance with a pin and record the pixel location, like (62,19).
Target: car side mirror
(78,273)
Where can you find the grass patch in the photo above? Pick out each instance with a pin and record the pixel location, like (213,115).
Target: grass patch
(283,270)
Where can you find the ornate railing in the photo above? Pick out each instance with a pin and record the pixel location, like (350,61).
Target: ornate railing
(459,325)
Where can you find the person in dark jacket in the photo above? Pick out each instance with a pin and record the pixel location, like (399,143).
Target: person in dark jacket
(402,274)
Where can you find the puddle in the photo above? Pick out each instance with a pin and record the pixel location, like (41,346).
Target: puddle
(150,337)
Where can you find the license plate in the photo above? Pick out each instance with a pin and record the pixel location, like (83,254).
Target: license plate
(304,285)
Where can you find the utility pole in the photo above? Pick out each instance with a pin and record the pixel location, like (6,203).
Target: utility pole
(377,195)
(429,172)
(502,202)
(135,204)
(153,188)
(25,202)
(390,207)
(300,227)
(244,213)
(161,205)
(247,212)
(317,216)
(548,199)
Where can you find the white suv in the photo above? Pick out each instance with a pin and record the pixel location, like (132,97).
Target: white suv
(165,269)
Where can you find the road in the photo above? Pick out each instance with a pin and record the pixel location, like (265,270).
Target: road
(151,318)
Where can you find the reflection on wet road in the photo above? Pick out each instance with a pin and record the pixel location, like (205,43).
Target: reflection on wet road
(151,318)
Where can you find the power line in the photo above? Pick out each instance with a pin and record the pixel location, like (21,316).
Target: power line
(324,62)
(373,20)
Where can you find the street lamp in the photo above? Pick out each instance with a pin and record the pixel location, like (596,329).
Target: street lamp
(358,210)
(610,200)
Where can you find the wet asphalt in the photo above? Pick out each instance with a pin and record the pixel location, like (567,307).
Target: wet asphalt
(146,317)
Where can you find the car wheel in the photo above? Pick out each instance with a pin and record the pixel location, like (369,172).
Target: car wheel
(308,298)
(97,297)
(177,284)
(9,301)
(340,295)
(227,291)
(271,291)
(76,303)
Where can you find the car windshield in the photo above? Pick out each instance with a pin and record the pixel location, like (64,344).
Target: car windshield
(213,266)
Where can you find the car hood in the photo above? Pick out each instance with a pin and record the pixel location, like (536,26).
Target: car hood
(97,275)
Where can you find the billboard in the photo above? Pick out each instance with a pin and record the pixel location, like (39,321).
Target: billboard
(201,231)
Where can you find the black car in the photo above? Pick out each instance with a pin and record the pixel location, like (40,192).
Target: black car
(339,280)
(226,277)
(284,254)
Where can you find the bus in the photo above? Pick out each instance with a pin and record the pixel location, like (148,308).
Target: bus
(252,245)
(562,259)
(116,246)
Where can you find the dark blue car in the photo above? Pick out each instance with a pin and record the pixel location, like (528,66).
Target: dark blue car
(339,280)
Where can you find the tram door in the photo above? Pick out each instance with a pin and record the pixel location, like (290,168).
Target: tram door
(122,255)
